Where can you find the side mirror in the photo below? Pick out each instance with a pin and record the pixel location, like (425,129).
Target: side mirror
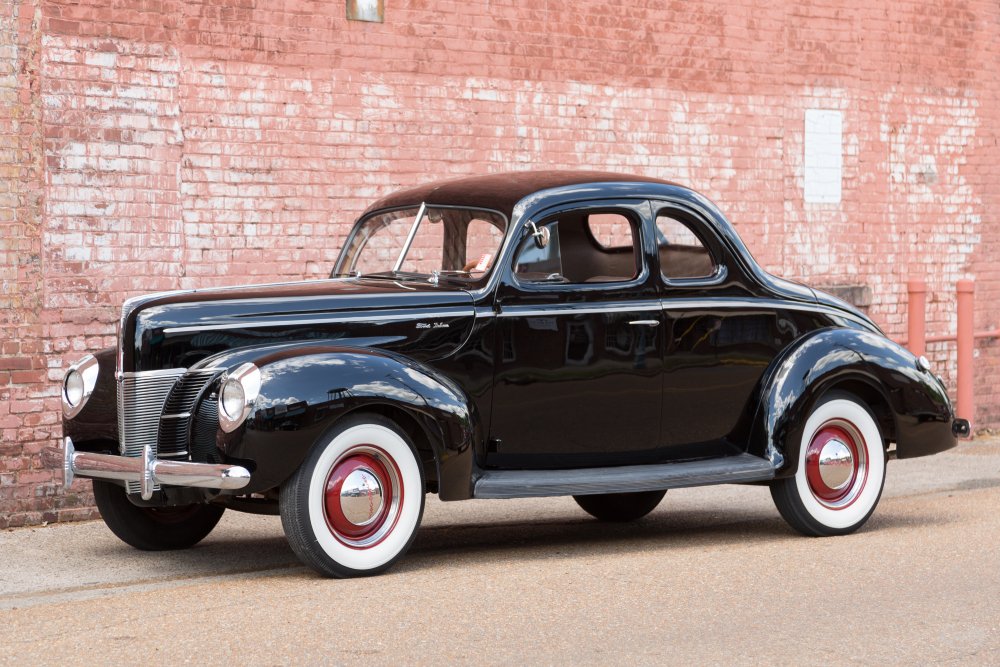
(540,235)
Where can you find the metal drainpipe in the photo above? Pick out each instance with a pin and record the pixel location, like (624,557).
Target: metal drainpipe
(966,406)
(916,315)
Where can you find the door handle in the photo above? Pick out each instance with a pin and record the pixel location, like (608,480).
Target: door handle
(645,323)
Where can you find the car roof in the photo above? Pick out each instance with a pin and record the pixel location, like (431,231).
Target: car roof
(501,192)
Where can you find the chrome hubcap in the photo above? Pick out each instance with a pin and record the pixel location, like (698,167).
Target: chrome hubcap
(836,464)
(361,497)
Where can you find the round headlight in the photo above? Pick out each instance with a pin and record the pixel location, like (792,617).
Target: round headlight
(74,388)
(237,395)
(233,399)
(78,385)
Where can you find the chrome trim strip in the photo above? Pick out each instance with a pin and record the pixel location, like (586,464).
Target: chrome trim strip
(139,469)
(645,323)
(731,302)
(759,303)
(562,309)
(668,304)
(409,237)
(466,311)
(179,415)
(167,372)
(486,312)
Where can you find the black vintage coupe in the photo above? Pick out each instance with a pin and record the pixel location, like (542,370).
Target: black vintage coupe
(529,334)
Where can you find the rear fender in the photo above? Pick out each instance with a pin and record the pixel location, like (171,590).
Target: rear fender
(910,404)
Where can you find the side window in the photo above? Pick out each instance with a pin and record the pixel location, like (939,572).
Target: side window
(534,264)
(682,254)
(584,247)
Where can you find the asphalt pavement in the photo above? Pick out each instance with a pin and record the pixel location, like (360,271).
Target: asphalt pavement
(712,576)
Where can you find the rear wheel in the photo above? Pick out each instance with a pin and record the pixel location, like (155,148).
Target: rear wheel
(840,473)
(354,505)
(620,507)
(154,528)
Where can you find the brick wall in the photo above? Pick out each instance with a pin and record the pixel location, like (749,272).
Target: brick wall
(164,143)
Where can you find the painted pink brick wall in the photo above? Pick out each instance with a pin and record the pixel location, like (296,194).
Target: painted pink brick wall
(163,143)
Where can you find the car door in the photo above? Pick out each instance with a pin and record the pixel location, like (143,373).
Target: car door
(579,343)
(721,334)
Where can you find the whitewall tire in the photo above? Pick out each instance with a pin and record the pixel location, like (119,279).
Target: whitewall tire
(354,505)
(840,473)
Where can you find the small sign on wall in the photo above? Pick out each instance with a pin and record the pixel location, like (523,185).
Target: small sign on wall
(366,10)
(824,157)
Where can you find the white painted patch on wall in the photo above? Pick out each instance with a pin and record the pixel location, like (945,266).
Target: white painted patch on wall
(366,10)
(824,156)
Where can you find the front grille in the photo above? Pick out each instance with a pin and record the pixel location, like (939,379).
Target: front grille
(175,424)
(206,425)
(140,403)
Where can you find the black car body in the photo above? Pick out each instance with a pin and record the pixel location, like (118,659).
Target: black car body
(617,341)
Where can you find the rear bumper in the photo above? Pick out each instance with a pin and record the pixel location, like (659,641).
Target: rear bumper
(146,469)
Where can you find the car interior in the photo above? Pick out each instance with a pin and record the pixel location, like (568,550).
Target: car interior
(603,247)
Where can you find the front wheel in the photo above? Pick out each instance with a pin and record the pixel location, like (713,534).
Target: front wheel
(154,528)
(840,473)
(353,506)
(620,507)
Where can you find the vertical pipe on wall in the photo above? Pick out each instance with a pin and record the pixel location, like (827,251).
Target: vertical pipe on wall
(966,340)
(916,314)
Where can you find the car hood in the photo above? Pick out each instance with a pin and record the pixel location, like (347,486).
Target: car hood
(179,329)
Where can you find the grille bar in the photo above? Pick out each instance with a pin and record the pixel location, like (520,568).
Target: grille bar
(175,423)
(206,423)
(140,403)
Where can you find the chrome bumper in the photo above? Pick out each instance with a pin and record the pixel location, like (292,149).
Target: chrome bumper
(145,469)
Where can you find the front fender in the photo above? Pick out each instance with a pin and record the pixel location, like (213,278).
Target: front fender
(912,404)
(306,389)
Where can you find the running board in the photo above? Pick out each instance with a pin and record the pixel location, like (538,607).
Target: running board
(622,479)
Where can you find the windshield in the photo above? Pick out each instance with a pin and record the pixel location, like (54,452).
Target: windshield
(425,241)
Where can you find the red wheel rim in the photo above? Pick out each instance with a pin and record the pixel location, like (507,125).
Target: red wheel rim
(362,496)
(837,464)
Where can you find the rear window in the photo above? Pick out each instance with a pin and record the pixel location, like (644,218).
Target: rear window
(683,255)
